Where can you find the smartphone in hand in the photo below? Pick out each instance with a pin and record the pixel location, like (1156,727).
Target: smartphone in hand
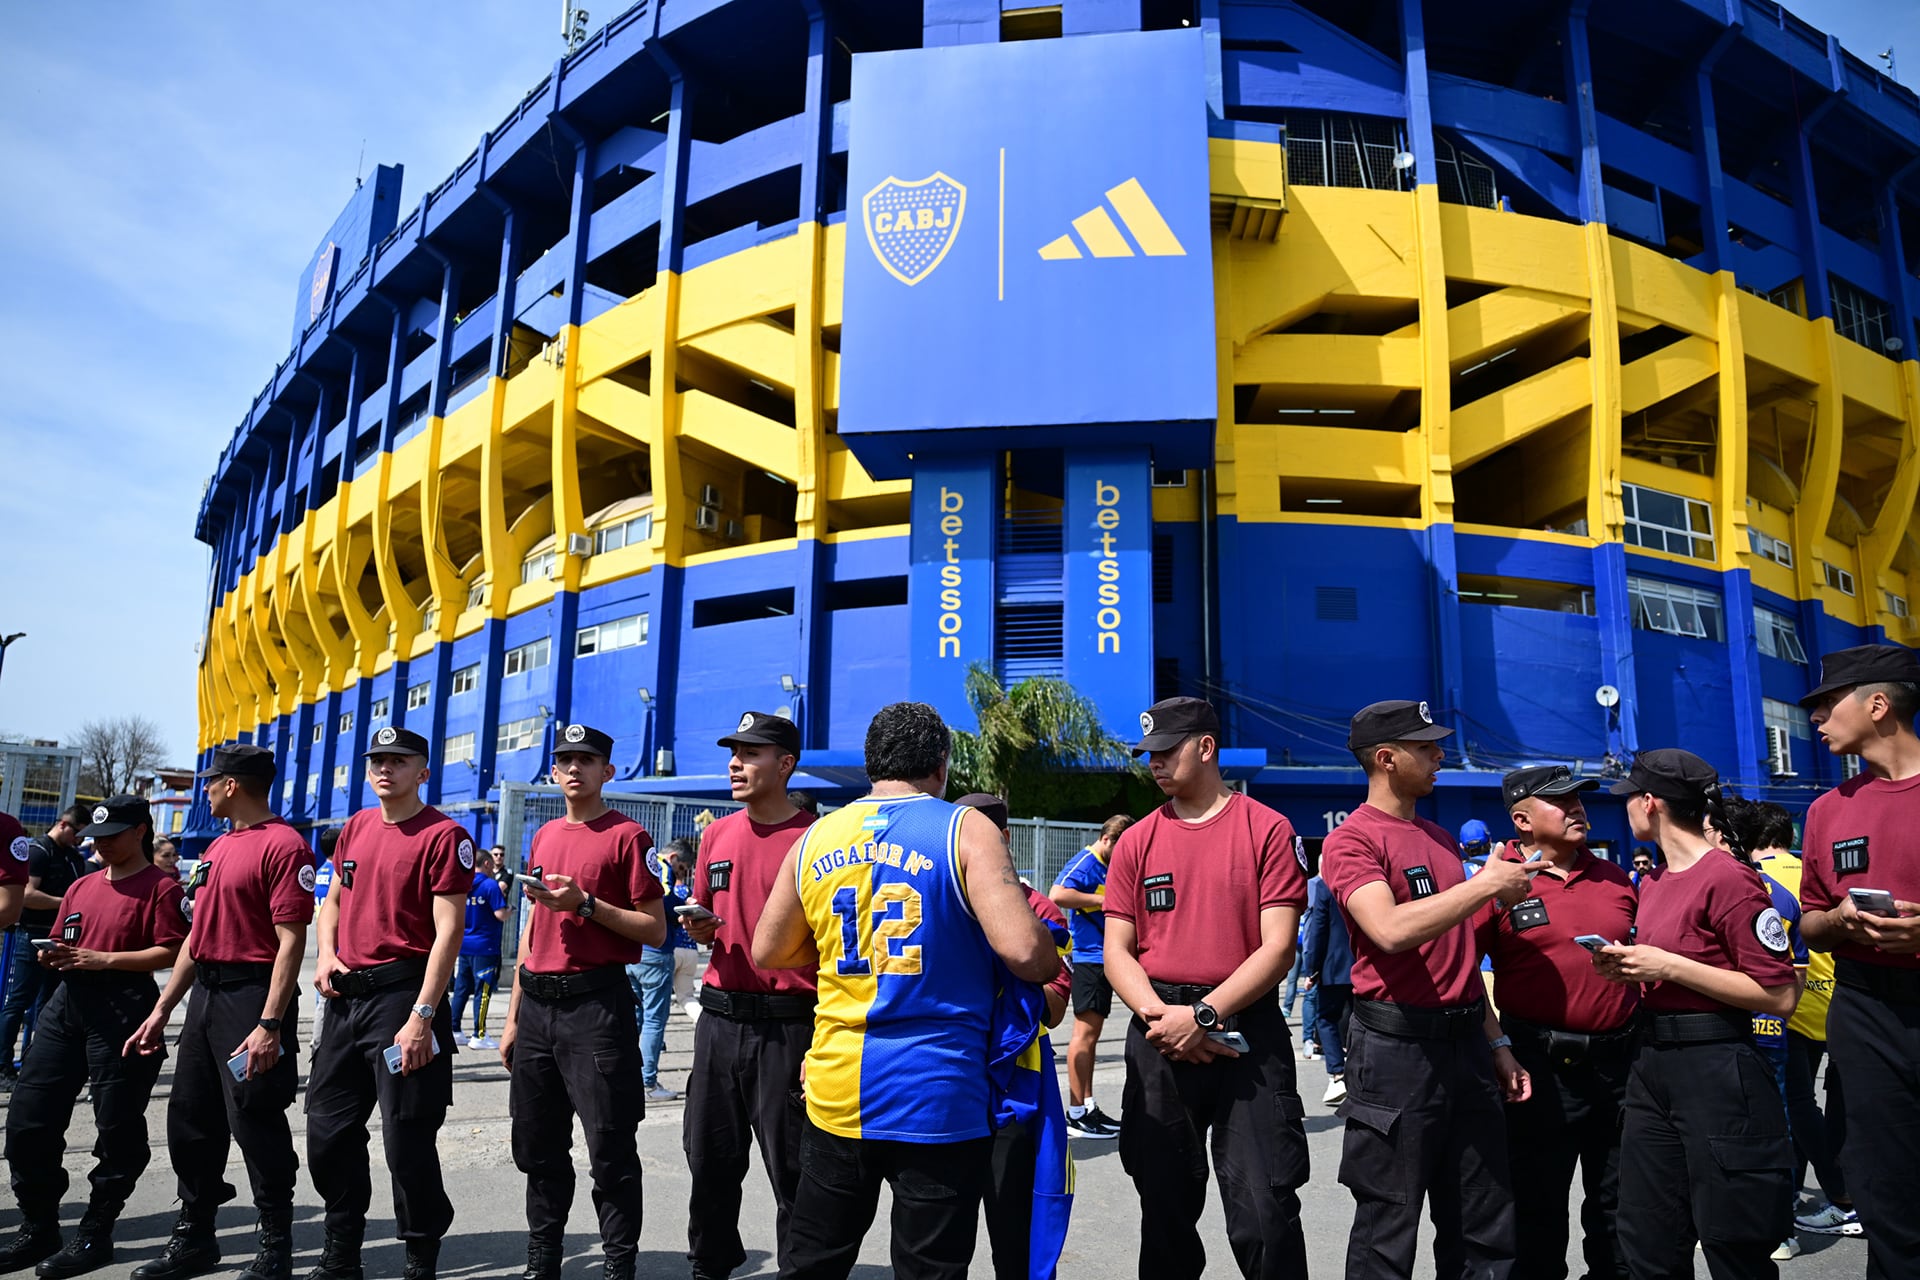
(1592,941)
(1231,1039)
(1873,902)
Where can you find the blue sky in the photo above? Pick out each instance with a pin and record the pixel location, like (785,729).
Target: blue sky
(171,167)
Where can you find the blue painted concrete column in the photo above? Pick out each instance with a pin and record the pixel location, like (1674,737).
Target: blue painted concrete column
(1579,72)
(1806,208)
(1743,664)
(1615,615)
(1108,543)
(950,577)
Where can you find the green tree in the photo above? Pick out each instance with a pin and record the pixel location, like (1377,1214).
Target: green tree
(1041,746)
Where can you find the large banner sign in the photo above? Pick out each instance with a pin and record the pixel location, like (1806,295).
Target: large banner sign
(1027,239)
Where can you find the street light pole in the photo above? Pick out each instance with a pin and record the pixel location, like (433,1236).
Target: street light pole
(5,641)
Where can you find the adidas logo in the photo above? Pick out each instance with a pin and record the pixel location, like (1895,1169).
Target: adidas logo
(1097,230)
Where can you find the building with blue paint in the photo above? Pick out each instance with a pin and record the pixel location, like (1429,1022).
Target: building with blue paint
(1553,363)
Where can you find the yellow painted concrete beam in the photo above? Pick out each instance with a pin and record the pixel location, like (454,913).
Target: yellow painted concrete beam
(758,348)
(620,407)
(1897,513)
(1314,359)
(1667,372)
(757,441)
(1496,322)
(1492,423)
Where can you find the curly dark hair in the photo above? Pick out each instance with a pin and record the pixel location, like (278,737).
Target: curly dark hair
(906,742)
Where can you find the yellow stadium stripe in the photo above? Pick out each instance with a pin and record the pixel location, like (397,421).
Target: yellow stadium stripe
(1097,229)
(1156,238)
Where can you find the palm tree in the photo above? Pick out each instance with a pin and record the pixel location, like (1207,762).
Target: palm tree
(1041,746)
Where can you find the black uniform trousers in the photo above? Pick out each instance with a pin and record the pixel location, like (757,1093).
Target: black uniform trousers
(210,1109)
(1573,1115)
(1248,1110)
(1425,1120)
(745,1085)
(1704,1155)
(1876,1048)
(1008,1200)
(348,1078)
(937,1188)
(579,1055)
(77,1042)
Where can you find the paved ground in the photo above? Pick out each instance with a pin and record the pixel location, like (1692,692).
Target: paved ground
(489,1239)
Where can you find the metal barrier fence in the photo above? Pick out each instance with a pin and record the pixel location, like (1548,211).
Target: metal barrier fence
(1041,849)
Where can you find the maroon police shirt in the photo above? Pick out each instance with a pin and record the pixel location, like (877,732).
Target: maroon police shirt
(129,914)
(739,859)
(385,878)
(1863,834)
(15,851)
(1540,974)
(606,857)
(1719,913)
(256,878)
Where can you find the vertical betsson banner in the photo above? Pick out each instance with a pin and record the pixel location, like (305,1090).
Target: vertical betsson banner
(950,587)
(1028,243)
(1109,581)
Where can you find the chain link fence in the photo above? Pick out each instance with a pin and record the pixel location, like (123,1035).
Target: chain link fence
(1041,849)
(36,783)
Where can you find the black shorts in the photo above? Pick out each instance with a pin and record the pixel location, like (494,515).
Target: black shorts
(1092,993)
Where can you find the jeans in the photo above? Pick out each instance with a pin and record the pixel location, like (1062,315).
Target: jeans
(652,982)
(24,984)
(1290,993)
(1310,1016)
(1335,1005)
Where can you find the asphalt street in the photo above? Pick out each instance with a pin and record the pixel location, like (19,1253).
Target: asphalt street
(489,1238)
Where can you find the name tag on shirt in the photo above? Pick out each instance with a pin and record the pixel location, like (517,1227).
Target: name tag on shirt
(1159,892)
(1528,913)
(1420,882)
(719,876)
(70,930)
(346,874)
(1850,856)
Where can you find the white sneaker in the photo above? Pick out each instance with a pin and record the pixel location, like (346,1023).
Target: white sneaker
(1830,1220)
(1336,1091)
(660,1093)
(483,1042)
(474,1042)
(1787,1251)
(1309,1050)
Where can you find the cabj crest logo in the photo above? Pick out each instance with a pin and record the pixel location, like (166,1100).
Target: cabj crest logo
(911,225)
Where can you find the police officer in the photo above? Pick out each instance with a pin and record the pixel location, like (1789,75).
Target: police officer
(53,863)
(571,1041)
(390,931)
(748,1047)
(242,963)
(1427,1065)
(901,901)
(1861,837)
(1204,897)
(1572,1030)
(1704,1153)
(116,928)
(16,852)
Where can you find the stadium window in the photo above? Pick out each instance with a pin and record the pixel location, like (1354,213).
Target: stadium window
(466,680)
(476,595)
(1674,610)
(1896,605)
(381,709)
(455,748)
(319,732)
(627,533)
(1332,150)
(1667,522)
(1837,578)
(418,695)
(1771,548)
(1169,478)
(1858,316)
(527,657)
(340,777)
(621,633)
(346,722)
(1527,593)
(537,567)
(1784,715)
(518,735)
(1777,636)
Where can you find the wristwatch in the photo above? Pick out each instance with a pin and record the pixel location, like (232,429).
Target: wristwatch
(271,1024)
(423,1011)
(1504,1042)
(1205,1016)
(585,909)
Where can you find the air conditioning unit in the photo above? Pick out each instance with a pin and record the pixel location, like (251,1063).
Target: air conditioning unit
(1779,752)
(734,530)
(710,496)
(1849,766)
(706,519)
(579,544)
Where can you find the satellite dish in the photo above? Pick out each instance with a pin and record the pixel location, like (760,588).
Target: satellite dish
(785,713)
(1606,695)
(1403,160)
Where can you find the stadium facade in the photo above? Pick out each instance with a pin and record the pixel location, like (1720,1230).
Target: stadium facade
(1552,363)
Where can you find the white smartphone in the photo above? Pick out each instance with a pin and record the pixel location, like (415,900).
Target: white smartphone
(1231,1039)
(237,1066)
(534,881)
(1591,941)
(1873,902)
(392,1055)
(45,944)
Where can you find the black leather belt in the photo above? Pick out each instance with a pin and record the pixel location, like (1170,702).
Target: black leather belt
(564,986)
(1895,986)
(1571,1048)
(1714,1027)
(214,975)
(1177,993)
(380,977)
(1420,1022)
(755,1006)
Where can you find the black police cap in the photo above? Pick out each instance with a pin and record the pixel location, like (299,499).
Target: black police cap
(115,814)
(1671,774)
(241,760)
(390,741)
(1396,721)
(1171,721)
(759,727)
(991,805)
(1548,780)
(1864,664)
(580,737)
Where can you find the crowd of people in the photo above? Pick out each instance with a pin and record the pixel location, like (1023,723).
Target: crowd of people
(882,987)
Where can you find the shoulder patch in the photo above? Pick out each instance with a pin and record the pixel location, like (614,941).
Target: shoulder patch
(21,848)
(1771,930)
(1300,853)
(306,878)
(466,853)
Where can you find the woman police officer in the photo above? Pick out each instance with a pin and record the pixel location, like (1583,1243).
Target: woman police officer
(1705,1153)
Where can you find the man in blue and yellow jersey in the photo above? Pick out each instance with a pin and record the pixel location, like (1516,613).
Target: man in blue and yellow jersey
(1081,889)
(902,901)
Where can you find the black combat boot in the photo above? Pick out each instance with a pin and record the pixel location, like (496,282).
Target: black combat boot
(618,1269)
(339,1259)
(191,1251)
(274,1261)
(423,1258)
(543,1258)
(90,1249)
(37,1238)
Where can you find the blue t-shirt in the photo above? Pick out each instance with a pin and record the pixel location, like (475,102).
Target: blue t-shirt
(677,936)
(1086,873)
(1770,1031)
(483,927)
(322,880)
